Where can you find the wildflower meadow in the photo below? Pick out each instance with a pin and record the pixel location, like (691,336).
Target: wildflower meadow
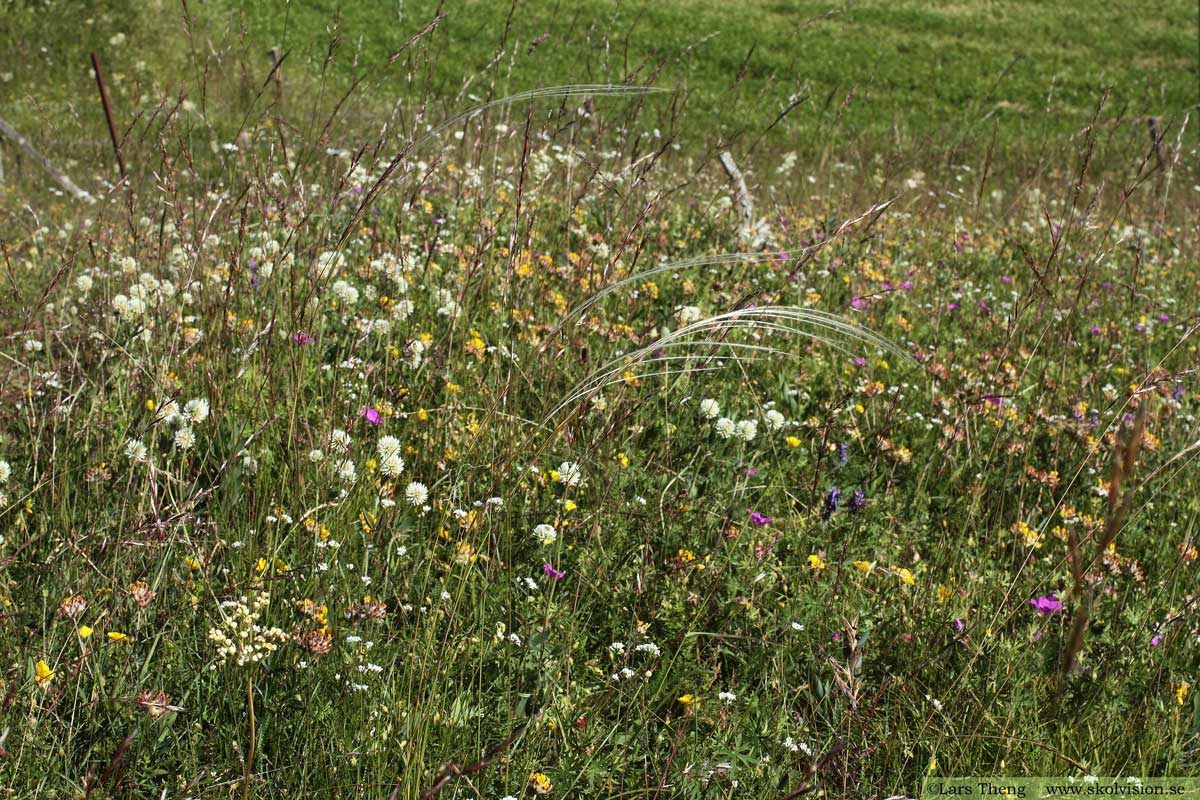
(475,400)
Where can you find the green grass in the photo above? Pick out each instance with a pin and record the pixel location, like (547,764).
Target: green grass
(929,83)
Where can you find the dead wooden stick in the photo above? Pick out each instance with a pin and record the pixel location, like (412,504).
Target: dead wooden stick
(741,196)
(25,147)
(112,128)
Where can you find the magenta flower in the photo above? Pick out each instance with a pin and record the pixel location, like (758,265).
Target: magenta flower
(301,338)
(551,572)
(1156,641)
(1047,605)
(371,415)
(759,519)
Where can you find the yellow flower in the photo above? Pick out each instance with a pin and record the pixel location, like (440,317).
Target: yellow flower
(42,674)
(816,562)
(540,783)
(1182,692)
(687,700)
(792,441)
(116,636)
(84,631)
(865,566)
(905,575)
(569,505)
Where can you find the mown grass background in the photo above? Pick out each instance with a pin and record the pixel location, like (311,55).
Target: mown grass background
(1038,267)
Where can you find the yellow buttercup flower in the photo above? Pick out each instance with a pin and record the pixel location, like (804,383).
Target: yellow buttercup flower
(116,636)
(84,631)
(906,577)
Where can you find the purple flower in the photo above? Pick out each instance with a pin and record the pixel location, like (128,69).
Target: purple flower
(858,501)
(760,519)
(1156,641)
(750,473)
(371,415)
(832,498)
(1047,605)
(842,453)
(858,303)
(959,625)
(301,338)
(951,306)
(551,572)
(859,362)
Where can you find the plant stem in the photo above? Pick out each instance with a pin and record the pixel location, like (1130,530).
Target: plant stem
(250,750)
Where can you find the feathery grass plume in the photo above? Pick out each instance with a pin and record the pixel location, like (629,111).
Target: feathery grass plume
(805,255)
(829,329)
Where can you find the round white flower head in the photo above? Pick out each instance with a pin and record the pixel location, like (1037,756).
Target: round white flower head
(545,534)
(345,470)
(391,466)
(688,314)
(725,427)
(170,412)
(709,408)
(569,473)
(5,472)
(339,441)
(196,411)
(416,494)
(84,283)
(135,450)
(315,455)
(775,419)
(387,447)
(184,438)
(747,429)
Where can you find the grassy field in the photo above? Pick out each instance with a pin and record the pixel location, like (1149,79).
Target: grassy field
(347,453)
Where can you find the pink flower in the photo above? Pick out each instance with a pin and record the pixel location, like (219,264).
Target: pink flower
(371,415)
(551,572)
(301,338)
(1047,605)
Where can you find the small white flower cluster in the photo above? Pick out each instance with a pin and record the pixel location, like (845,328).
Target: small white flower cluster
(545,534)
(194,412)
(240,638)
(745,429)
(390,463)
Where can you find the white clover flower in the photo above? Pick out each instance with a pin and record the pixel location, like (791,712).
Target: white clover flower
(387,447)
(135,450)
(344,292)
(196,411)
(169,411)
(746,430)
(727,697)
(315,455)
(184,438)
(545,534)
(391,466)
(5,472)
(775,420)
(416,494)
(345,470)
(709,408)
(725,427)
(688,314)
(339,441)
(569,473)
(84,283)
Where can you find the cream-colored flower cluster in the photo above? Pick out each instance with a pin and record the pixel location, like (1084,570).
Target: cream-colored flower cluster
(240,638)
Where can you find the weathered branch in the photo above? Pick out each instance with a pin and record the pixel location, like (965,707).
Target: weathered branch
(741,195)
(23,143)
